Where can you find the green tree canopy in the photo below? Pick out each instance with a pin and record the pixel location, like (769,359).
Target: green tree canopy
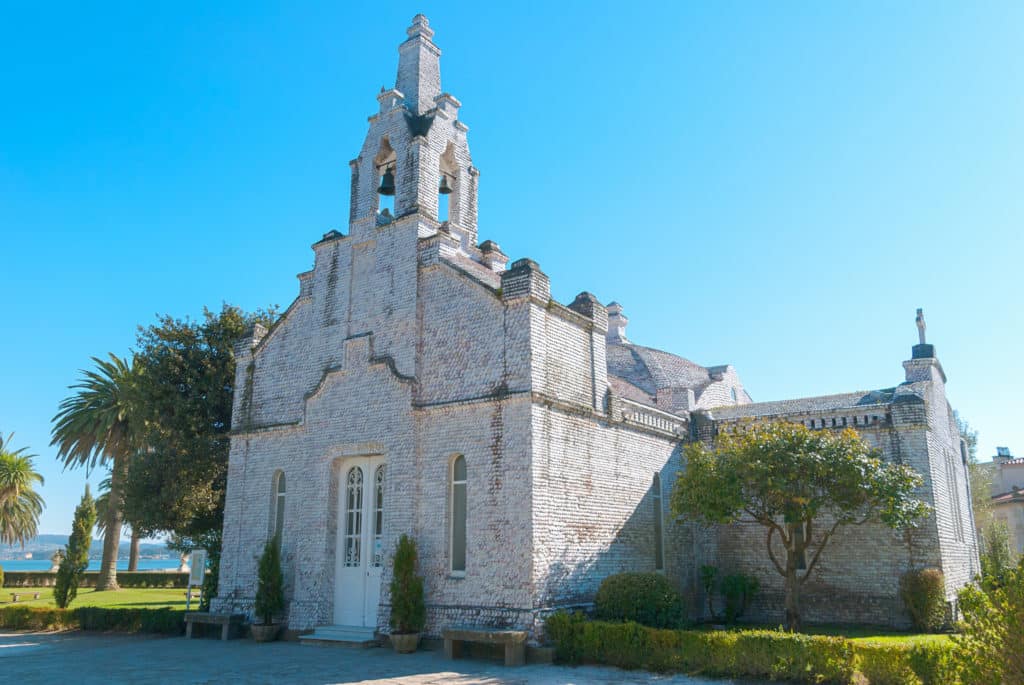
(801,485)
(979,477)
(186,380)
(99,425)
(20,504)
(76,554)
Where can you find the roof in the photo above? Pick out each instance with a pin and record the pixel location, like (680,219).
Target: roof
(650,370)
(849,400)
(1006,497)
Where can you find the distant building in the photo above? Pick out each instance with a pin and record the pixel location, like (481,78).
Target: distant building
(1008,495)
(421,384)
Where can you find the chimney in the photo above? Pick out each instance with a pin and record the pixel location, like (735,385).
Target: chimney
(616,323)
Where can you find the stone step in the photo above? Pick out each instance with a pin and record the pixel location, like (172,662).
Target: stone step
(341,636)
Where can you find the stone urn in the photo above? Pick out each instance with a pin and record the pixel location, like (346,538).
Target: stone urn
(55,560)
(265,632)
(405,643)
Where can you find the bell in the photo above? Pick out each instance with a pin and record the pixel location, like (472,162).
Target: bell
(444,188)
(387,183)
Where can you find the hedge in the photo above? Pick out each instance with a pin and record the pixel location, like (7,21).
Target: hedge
(896,664)
(753,653)
(165,621)
(746,653)
(134,579)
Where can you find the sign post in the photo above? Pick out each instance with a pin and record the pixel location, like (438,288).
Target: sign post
(196,574)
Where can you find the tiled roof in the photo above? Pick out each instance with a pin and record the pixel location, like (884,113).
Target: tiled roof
(850,400)
(1015,496)
(651,370)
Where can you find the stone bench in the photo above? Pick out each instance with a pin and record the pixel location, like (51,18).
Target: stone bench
(513,640)
(15,596)
(225,621)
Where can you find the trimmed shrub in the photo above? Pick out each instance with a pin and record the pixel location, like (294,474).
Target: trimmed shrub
(126,579)
(933,663)
(270,583)
(738,589)
(408,608)
(165,621)
(885,663)
(36,618)
(647,598)
(924,595)
(753,653)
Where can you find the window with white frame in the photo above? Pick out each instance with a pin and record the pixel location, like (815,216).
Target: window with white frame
(378,516)
(277,530)
(458,515)
(353,516)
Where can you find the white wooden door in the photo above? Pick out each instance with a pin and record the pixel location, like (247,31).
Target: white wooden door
(359,549)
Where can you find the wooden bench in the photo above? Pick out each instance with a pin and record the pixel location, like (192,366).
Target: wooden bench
(225,621)
(15,596)
(513,640)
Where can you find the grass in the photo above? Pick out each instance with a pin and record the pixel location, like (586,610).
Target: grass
(128,598)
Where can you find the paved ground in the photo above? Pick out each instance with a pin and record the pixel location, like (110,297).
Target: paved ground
(97,658)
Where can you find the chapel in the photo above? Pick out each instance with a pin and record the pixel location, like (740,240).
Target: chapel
(422,384)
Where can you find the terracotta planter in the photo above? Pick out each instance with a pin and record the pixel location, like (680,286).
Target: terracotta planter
(262,632)
(405,643)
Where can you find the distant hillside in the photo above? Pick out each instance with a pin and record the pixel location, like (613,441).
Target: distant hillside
(43,547)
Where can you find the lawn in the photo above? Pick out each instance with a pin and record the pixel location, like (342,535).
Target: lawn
(128,598)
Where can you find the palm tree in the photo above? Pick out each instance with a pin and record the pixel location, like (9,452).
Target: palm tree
(96,425)
(20,504)
(101,524)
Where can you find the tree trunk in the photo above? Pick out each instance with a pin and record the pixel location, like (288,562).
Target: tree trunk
(133,553)
(794,552)
(792,597)
(107,579)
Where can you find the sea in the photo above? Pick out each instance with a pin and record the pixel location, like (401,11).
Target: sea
(94,564)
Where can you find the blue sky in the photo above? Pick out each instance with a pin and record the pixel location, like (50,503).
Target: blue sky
(773,185)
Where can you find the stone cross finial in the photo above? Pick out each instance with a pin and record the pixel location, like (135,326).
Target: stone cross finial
(920,325)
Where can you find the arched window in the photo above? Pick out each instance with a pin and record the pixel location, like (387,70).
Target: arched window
(353,515)
(448,169)
(386,165)
(659,547)
(378,516)
(458,515)
(277,507)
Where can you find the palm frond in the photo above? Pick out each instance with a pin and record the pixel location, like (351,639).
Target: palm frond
(95,424)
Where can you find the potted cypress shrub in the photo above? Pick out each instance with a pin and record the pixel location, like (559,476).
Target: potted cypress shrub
(269,593)
(408,611)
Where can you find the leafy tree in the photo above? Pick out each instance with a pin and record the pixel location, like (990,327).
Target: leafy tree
(186,379)
(270,587)
(99,425)
(76,554)
(801,485)
(988,647)
(997,558)
(20,504)
(979,476)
